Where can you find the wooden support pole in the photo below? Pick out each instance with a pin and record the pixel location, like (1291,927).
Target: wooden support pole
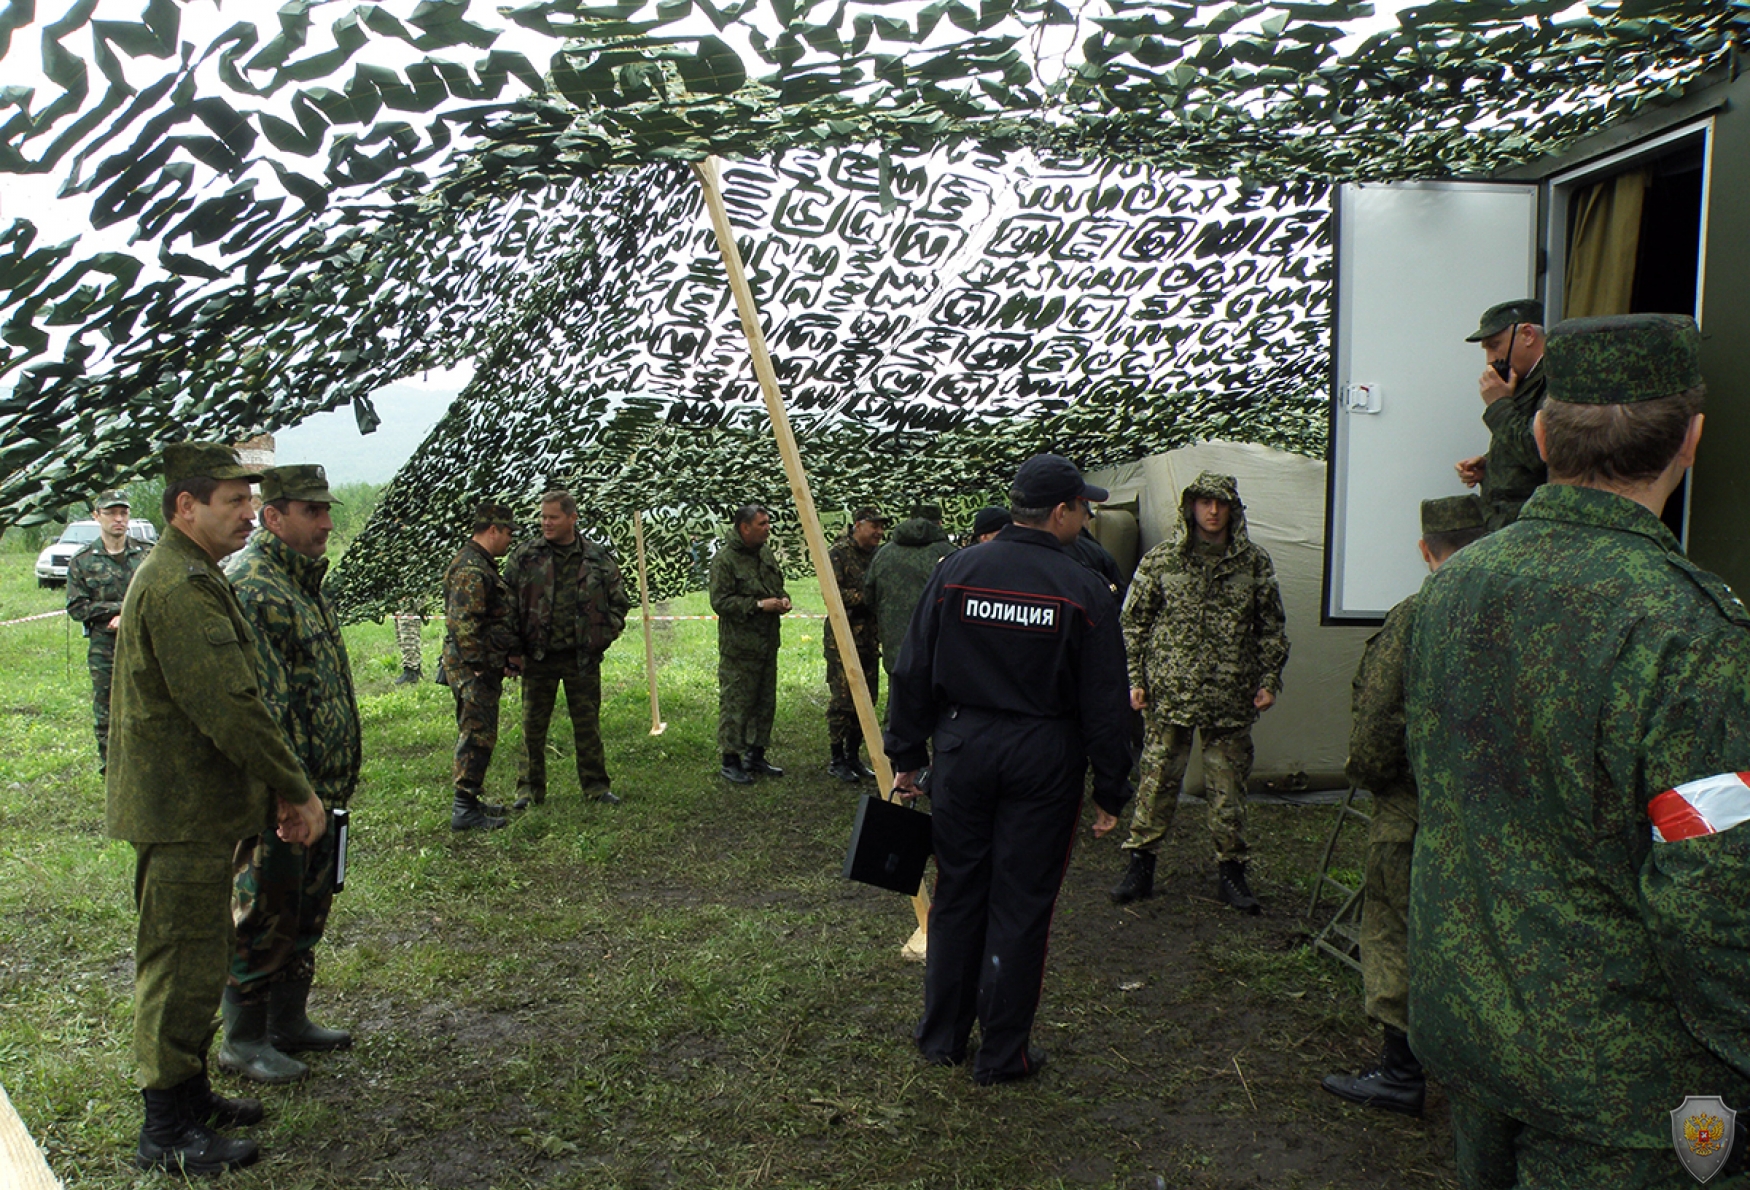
(805,511)
(22,1166)
(657,726)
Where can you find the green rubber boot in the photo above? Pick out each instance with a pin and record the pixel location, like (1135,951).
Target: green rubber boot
(246,1049)
(289,1026)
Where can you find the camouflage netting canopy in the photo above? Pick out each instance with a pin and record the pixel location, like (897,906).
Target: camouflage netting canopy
(973,230)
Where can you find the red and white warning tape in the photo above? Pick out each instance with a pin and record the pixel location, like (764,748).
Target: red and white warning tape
(28,619)
(788,616)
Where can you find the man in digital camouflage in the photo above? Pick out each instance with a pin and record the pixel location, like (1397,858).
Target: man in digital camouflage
(285,890)
(1379,762)
(900,572)
(747,593)
(1512,388)
(480,643)
(851,556)
(571,605)
(97,579)
(200,766)
(1206,641)
(1578,704)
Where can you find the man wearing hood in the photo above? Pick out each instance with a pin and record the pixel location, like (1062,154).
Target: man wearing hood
(1205,636)
(899,573)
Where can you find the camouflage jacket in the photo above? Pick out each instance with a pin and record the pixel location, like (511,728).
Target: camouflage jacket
(741,576)
(96,583)
(531,573)
(1379,760)
(479,619)
(1205,632)
(1570,969)
(193,749)
(305,676)
(1515,468)
(850,563)
(897,577)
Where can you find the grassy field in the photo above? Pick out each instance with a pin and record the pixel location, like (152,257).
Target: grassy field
(678,991)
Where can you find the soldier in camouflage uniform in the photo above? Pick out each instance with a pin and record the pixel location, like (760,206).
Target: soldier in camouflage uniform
(1205,636)
(201,764)
(97,579)
(1379,762)
(1512,388)
(1578,701)
(851,556)
(285,890)
(900,572)
(747,593)
(480,643)
(571,605)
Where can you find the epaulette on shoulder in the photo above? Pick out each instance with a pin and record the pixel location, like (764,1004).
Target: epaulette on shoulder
(1715,588)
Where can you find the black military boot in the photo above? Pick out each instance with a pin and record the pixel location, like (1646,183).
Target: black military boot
(173,1139)
(759,766)
(841,766)
(855,755)
(409,676)
(732,770)
(289,1026)
(207,1106)
(1138,881)
(1234,889)
(467,814)
(1395,1084)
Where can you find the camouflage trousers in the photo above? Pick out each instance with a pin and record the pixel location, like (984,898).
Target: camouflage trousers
(1385,910)
(841,708)
(1166,754)
(183,894)
(1497,1152)
(477,699)
(284,891)
(581,675)
(100,663)
(407,637)
(747,700)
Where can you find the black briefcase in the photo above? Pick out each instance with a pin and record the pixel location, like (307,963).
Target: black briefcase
(889,845)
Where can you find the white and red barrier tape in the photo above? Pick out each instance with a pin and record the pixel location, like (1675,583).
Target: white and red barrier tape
(28,619)
(787,616)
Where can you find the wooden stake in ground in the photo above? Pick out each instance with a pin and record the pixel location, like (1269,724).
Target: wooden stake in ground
(805,511)
(657,726)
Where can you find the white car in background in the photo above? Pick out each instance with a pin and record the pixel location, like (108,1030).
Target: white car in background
(51,564)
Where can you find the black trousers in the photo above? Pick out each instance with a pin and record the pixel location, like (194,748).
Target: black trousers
(1005,795)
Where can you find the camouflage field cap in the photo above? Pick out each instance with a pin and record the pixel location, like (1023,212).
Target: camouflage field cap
(1453,514)
(211,460)
(490,514)
(297,481)
(1525,311)
(868,513)
(1622,359)
(114,498)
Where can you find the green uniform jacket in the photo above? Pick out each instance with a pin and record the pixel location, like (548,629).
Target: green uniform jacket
(601,604)
(1566,969)
(194,750)
(741,576)
(1515,468)
(479,631)
(1379,760)
(305,675)
(850,564)
(97,581)
(897,578)
(1204,634)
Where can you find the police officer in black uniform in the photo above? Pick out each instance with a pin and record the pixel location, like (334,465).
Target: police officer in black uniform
(1014,663)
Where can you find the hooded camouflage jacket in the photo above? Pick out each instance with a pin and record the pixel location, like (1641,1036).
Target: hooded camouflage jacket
(741,576)
(1204,630)
(97,581)
(306,679)
(479,629)
(531,573)
(897,578)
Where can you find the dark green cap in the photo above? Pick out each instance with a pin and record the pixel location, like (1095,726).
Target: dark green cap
(1526,311)
(868,513)
(928,512)
(490,514)
(213,460)
(114,498)
(1622,359)
(296,481)
(1452,514)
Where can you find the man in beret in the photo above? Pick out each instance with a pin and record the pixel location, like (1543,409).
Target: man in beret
(97,579)
(899,573)
(1379,763)
(851,556)
(1014,668)
(285,890)
(1512,388)
(480,647)
(201,765)
(1577,695)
